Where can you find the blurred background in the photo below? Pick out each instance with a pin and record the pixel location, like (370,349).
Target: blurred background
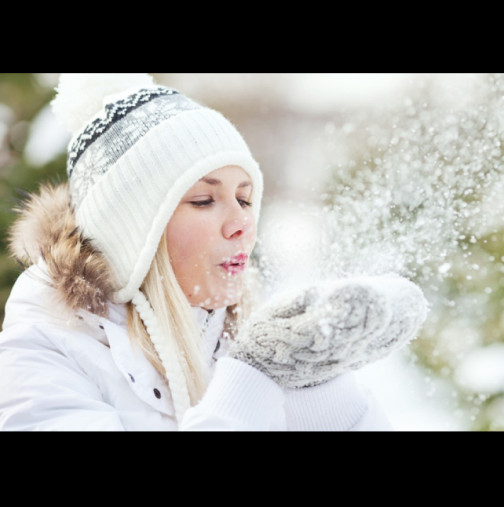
(364,173)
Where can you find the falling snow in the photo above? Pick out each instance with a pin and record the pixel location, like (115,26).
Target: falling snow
(421,202)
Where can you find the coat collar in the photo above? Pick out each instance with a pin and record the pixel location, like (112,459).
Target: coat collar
(143,378)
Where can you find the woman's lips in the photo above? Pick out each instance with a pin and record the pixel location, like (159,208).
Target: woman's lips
(235,264)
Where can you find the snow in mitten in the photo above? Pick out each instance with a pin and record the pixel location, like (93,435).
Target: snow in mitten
(308,337)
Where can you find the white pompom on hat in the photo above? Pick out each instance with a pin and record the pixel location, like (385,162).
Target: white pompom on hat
(136,149)
(81,96)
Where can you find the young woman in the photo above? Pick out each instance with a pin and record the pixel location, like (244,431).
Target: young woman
(137,310)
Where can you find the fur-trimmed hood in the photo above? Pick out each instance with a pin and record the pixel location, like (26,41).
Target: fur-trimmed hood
(45,229)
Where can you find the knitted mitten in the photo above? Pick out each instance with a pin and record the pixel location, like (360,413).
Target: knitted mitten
(309,337)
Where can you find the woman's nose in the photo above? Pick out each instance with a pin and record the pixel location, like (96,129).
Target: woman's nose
(236,227)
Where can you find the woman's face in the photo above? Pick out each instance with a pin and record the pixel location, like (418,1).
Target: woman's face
(210,237)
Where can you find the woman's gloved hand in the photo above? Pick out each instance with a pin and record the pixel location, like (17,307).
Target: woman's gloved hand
(307,337)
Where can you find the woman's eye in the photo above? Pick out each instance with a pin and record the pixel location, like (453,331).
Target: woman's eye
(200,204)
(244,203)
(208,202)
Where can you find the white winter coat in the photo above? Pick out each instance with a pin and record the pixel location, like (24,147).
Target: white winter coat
(64,372)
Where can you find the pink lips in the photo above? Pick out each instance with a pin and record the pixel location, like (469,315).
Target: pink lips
(235,264)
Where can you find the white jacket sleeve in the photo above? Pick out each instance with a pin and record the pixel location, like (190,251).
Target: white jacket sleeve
(338,405)
(238,398)
(41,389)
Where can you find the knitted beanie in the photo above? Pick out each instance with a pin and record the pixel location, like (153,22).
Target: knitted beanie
(136,149)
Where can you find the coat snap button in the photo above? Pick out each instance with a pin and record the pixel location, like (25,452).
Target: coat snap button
(157,394)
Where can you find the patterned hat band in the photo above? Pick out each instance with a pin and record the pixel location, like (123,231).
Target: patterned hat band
(122,123)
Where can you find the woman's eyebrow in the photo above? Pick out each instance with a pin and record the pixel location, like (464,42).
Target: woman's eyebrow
(211,181)
(215,181)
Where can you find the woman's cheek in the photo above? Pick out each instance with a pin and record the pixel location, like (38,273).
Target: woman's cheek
(184,234)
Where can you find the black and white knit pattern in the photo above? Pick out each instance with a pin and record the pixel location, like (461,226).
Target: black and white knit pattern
(107,138)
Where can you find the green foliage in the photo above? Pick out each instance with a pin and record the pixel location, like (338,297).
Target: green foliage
(22,97)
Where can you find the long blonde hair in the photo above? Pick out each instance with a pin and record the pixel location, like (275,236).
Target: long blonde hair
(178,323)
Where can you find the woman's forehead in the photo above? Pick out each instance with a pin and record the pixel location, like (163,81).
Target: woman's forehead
(229,174)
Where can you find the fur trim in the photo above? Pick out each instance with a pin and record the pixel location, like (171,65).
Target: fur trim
(45,229)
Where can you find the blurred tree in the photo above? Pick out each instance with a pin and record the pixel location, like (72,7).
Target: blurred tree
(22,97)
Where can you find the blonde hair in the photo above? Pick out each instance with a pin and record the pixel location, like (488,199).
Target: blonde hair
(177,322)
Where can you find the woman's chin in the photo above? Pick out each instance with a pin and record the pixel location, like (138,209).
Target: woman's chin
(217,301)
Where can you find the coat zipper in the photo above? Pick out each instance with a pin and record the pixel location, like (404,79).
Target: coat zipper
(204,329)
(210,313)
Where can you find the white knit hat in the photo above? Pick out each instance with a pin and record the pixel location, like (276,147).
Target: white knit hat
(136,149)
